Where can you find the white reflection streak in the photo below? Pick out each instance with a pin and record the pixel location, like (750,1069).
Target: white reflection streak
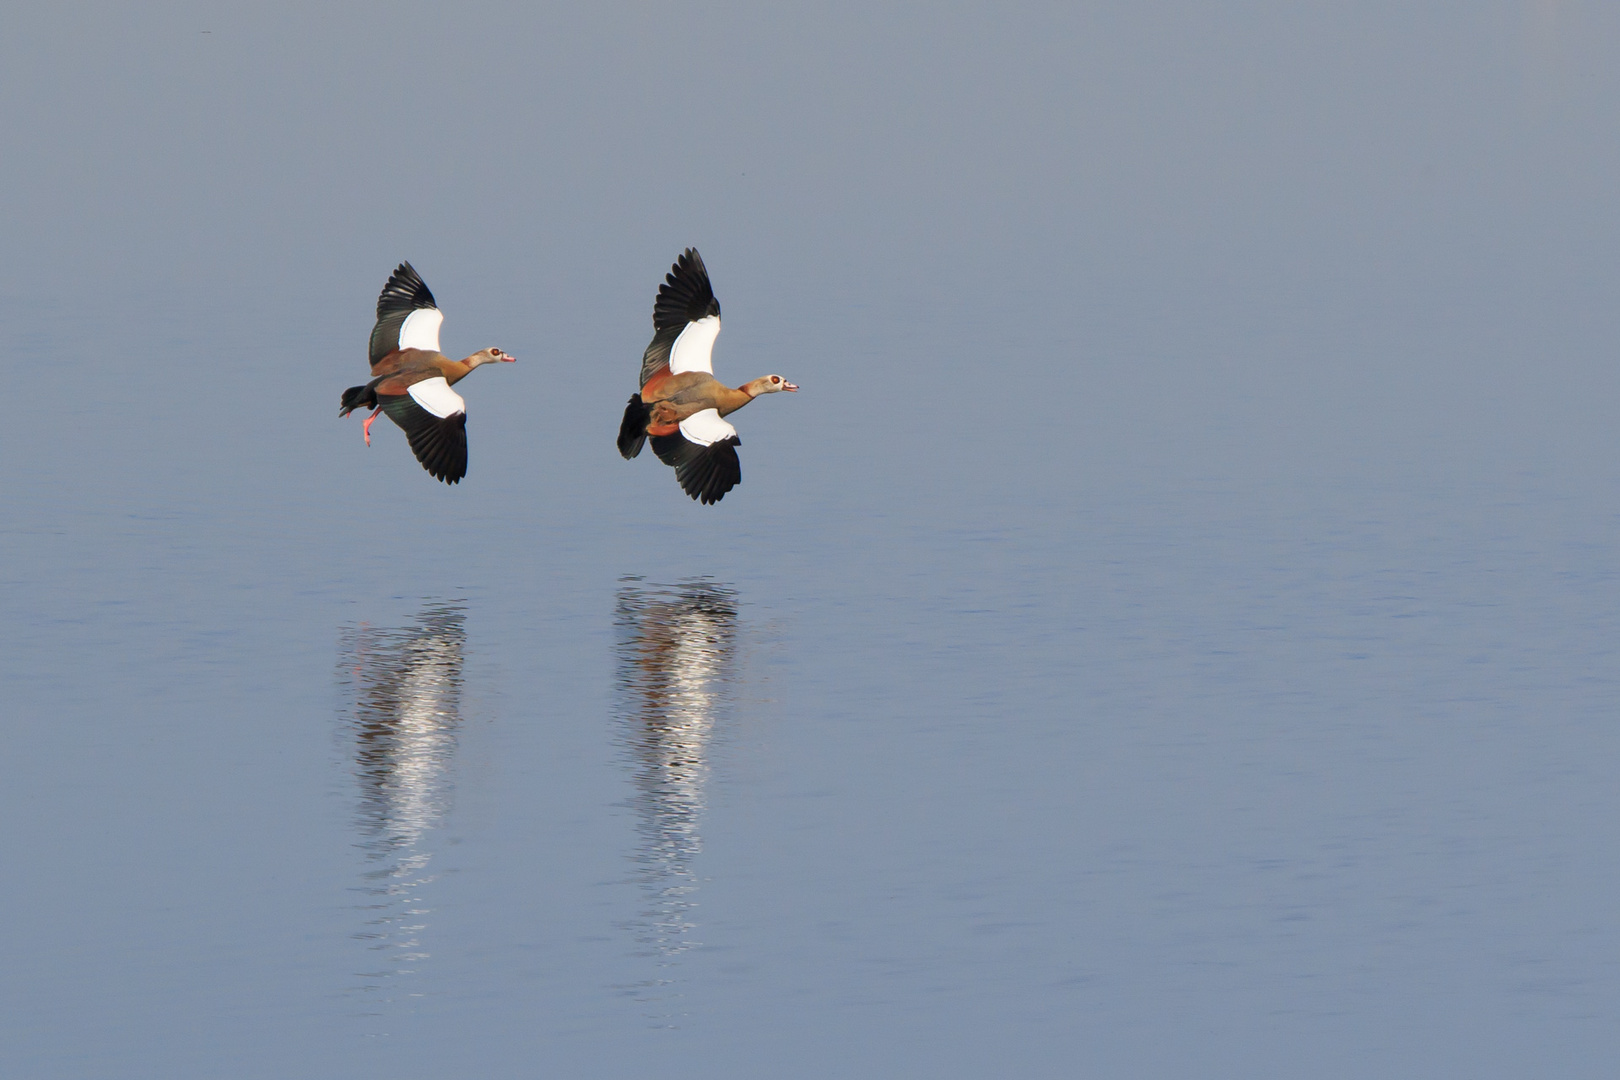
(407,689)
(674,654)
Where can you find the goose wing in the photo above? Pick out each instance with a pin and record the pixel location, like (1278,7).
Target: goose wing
(407,317)
(703,455)
(686,320)
(434,419)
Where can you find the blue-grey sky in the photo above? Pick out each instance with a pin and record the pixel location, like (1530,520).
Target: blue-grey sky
(1242,233)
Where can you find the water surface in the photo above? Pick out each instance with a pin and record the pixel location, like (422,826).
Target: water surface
(1172,632)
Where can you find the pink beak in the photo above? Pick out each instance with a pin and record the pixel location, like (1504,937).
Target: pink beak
(789,386)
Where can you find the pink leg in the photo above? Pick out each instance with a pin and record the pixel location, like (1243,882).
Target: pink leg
(366,427)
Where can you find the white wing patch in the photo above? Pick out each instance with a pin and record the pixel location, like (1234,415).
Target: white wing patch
(706,428)
(691,350)
(420,330)
(436,397)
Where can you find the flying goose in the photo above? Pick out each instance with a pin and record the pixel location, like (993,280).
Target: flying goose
(681,402)
(411,379)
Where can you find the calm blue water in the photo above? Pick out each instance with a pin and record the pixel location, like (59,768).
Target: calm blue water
(1172,633)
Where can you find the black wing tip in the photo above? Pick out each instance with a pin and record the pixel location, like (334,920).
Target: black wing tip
(686,294)
(689,262)
(405,291)
(705,473)
(716,471)
(439,443)
(442,448)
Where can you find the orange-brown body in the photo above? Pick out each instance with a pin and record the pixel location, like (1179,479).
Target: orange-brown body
(403,367)
(672,398)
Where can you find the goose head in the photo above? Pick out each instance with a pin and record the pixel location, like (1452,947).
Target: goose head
(489,356)
(769,384)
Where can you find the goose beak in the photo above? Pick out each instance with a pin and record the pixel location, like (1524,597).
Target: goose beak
(789,386)
(508,359)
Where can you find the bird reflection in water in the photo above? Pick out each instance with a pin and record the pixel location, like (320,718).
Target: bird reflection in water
(405,687)
(675,647)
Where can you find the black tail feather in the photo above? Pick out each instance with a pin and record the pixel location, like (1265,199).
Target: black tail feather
(358,397)
(633,429)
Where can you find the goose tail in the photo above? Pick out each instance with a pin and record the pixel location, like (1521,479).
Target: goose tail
(358,397)
(633,428)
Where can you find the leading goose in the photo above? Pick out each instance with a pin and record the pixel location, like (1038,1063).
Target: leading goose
(411,378)
(681,402)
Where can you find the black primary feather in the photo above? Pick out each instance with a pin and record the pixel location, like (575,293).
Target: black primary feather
(683,298)
(405,292)
(686,295)
(633,428)
(705,473)
(439,443)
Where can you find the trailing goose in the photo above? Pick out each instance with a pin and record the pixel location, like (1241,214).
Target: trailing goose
(411,378)
(681,402)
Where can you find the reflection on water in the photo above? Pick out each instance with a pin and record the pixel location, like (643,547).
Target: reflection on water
(405,685)
(675,649)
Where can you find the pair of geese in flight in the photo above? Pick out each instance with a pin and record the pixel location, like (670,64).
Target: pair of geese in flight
(680,408)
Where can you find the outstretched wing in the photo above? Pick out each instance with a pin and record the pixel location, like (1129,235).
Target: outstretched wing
(686,320)
(434,419)
(703,455)
(407,317)
(686,295)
